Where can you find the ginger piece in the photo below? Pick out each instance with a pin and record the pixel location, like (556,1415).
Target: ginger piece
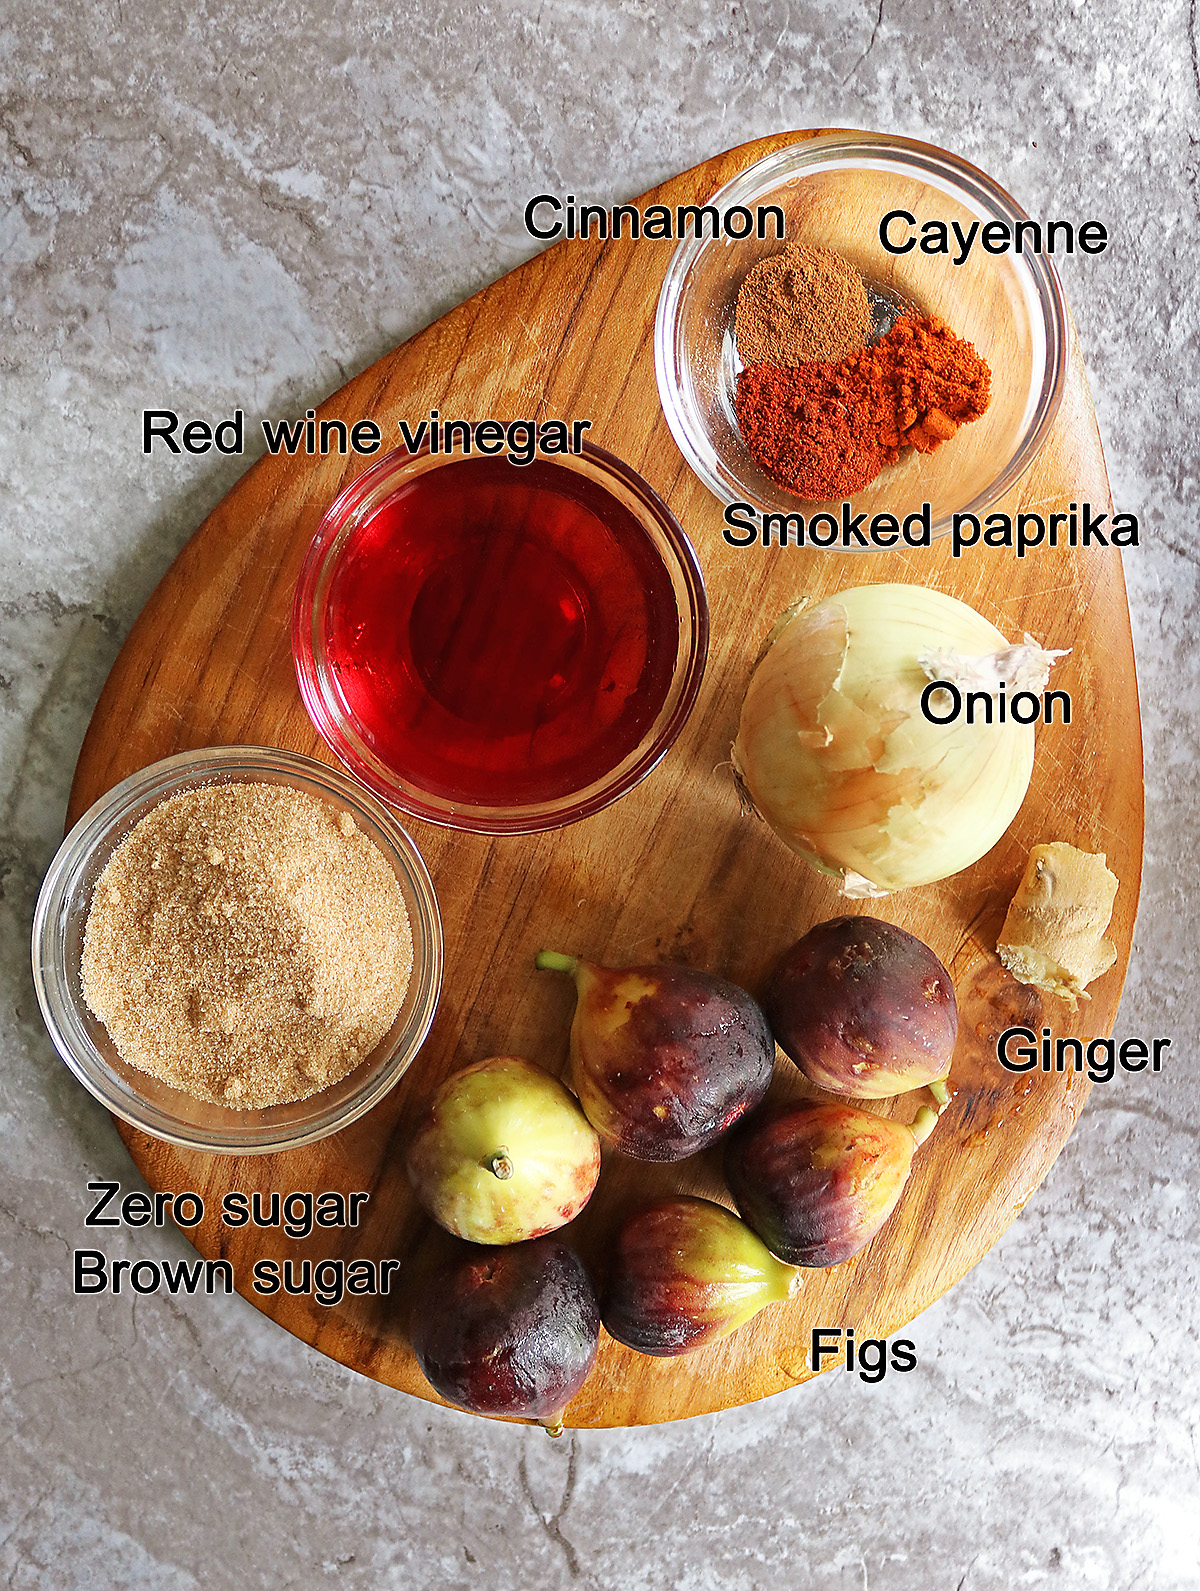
(1053,934)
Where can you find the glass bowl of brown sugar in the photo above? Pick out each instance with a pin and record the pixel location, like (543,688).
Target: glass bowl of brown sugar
(836,193)
(313,798)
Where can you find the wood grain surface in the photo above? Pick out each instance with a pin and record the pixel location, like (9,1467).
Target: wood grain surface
(674,870)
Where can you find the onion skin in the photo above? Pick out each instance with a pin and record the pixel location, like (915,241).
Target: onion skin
(864,1009)
(503,1153)
(835,754)
(685,1272)
(510,1331)
(817,1181)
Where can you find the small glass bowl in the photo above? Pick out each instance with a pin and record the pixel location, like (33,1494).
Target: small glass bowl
(336,724)
(834,190)
(82,1040)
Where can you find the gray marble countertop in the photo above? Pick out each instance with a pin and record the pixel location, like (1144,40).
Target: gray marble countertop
(215,205)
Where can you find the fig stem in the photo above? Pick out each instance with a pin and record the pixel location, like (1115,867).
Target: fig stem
(555,961)
(552,1424)
(940,1092)
(923,1123)
(500,1164)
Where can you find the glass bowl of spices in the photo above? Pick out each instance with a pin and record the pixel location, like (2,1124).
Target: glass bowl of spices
(238,950)
(497,645)
(852,360)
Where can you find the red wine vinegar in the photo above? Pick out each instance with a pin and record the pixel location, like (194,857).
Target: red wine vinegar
(502,635)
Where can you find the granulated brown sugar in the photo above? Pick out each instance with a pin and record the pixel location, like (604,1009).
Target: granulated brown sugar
(799,305)
(248,944)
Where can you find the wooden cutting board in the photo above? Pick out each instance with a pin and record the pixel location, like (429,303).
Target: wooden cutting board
(673,870)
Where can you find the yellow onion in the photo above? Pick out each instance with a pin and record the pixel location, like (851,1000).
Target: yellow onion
(834,751)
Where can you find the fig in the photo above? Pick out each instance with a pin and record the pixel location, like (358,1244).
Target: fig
(503,1153)
(508,1330)
(817,1181)
(663,1059)
(685,1272)
(864,1009)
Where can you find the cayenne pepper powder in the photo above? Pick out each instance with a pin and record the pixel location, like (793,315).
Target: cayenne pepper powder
(825,430)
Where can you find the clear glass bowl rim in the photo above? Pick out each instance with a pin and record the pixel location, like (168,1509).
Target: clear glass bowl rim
(533,818)
(857,147)
(187,770)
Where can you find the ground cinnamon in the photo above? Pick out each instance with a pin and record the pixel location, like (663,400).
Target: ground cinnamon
(799,305)
(825,429)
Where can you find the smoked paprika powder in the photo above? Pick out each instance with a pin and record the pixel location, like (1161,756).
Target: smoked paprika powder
(825,430)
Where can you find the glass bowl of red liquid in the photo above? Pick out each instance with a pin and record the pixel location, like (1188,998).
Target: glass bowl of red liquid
(498,647)
(834,190)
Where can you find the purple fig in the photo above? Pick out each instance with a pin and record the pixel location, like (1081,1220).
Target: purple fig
(503,1153)
(663,1059)
(509,1330)
(685,1272)
(864,1009)
(816,1181)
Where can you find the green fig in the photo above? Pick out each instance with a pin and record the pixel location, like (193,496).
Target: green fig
(503,1153)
